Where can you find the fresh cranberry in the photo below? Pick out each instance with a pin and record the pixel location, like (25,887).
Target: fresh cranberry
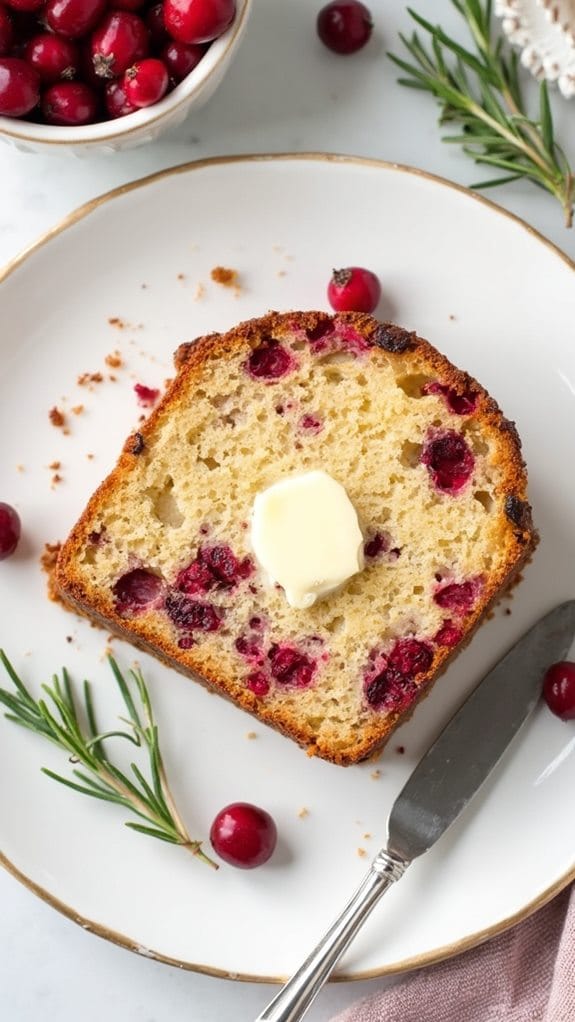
(180,59)
(459,404)
(448,635)
(25,6)
(353,289)
(53,57)
(147,396)
(290,667)
(73,18)
(198,21)
(119,39)
(378,544)
(19,87)
(270,361)
(6,31)
(191,615)
(146,82)
(117,104)
(449,460)
(344,26)
(70,104)
(155,24)
(214,567)
(559,689)
(10,529)
(136,590)
(243,835)
(458,596)
(258,683)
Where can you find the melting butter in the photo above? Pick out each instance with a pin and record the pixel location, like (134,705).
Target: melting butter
(305,534)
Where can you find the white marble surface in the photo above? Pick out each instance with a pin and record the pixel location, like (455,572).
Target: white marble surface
(285,93)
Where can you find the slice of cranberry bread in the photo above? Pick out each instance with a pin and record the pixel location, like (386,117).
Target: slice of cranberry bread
(162,552)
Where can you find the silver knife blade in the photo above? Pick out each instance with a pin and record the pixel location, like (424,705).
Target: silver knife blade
(472,743)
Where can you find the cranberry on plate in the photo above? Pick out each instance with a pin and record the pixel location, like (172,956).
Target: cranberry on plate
(353,289)
(559,689)
(243,835)
(344,26)
(9,530)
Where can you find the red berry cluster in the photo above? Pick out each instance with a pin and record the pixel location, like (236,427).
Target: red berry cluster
(73,62)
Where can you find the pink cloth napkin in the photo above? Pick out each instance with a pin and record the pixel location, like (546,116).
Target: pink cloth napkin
(525,975)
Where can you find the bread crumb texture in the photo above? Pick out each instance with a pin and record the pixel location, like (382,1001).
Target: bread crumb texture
(162,553)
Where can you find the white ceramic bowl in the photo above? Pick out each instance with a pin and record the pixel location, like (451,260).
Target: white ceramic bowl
(144,125)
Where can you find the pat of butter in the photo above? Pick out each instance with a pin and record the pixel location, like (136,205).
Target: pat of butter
(306,536)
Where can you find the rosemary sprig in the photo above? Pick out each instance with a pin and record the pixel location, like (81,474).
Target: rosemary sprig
(480,91)
(56,719)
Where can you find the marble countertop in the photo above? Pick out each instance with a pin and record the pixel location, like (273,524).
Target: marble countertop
(285,93)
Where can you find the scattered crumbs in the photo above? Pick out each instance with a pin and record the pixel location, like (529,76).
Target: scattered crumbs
(78,409)
(20,468)
(224,276)
(451,316)
(56,478)
(69,638)
(367,837)
(48,559)
(54,465)
(112,378)
(114,360)
(181,276)
(400,750)
(303,812)
(141,418)
(144,287)
(361,852)
(86,379)
(116,322)
(375,775)
(281,273)
(508,610)
(251,735)
(57,417)
(199,293)
(90,457)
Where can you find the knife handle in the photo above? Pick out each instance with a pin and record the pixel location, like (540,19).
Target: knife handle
(294,999)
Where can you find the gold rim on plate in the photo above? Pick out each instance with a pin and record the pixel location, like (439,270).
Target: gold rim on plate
(416,962)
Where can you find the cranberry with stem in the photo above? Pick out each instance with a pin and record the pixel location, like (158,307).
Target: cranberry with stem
(559,689)
(344,26)
(354,289)
(53,57)
(19,87)
(70,104)
(146,82)
(198,21)
(243,835)
(119,40)
(10,529)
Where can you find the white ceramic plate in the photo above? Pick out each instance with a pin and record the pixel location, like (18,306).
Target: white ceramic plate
(501,303)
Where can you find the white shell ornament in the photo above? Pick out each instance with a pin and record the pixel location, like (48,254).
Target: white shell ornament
(544,30)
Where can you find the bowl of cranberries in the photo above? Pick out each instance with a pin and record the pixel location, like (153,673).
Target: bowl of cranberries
(110,73)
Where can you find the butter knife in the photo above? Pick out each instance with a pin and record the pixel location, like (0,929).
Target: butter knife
(440,787)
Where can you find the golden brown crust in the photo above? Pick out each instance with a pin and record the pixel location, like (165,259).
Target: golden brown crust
(387,341)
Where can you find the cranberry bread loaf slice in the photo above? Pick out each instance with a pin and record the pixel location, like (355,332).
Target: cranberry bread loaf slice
(162,553)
